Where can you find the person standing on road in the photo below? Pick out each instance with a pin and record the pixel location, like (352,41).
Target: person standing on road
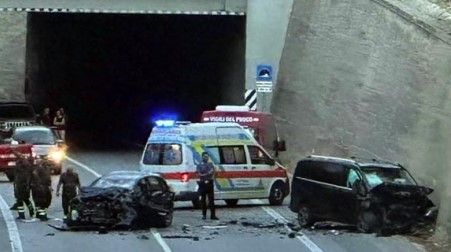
(41,188)
(60,123)
(45,117)
(206,173)
(71,183)
(22,179)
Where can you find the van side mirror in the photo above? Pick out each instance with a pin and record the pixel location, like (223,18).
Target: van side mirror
(279,145)
(359,188)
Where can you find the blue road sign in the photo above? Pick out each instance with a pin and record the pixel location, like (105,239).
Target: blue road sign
(264,73)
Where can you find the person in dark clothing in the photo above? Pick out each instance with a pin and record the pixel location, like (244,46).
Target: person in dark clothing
(71,183)
(60,122)
(41,188)
(45,118)
(206,173)
(22,179)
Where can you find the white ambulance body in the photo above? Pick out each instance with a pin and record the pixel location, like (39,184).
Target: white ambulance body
(244,170)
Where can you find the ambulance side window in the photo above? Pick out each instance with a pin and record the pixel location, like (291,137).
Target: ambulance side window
(228,154)
(258,156)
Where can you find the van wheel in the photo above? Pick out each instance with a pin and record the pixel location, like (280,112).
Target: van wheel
(276,195)
(231,202)
(367,222)
(305,218)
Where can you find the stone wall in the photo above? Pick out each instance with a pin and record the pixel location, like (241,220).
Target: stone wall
(358,79)
(12,55)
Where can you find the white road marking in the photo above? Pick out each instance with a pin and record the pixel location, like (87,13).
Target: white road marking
(303,238)
(160,240)
(84,166)
(14,237)
(154,232)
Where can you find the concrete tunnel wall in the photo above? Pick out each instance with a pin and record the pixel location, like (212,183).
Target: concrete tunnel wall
(13,30)
(357,80)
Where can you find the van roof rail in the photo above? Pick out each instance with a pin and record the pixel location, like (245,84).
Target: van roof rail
(373,160)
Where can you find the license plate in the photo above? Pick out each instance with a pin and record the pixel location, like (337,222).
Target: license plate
(12,163)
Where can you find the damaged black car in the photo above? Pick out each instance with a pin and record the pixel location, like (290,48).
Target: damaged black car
(372,195)
(123,199)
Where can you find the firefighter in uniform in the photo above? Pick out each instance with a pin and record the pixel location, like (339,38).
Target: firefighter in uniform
(70,182)
(41,188)
(22,179)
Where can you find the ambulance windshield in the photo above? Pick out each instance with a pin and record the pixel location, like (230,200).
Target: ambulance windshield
(163,154)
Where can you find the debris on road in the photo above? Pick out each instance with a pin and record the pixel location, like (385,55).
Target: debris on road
(50,234)
(194,238)
(292,235)
(143,237)
(214,227)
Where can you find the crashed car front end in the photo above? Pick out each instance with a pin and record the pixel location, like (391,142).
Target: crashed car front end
(400,207)
(106,207)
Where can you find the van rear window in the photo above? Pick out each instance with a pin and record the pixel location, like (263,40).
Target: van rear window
(163,154)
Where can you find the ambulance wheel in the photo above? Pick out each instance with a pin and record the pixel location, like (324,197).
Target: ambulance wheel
(10,175)
(231,202)
(276,194)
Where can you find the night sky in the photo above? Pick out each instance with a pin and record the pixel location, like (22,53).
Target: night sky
(113,73)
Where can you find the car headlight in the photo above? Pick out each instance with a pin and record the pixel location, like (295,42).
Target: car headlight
(57,155)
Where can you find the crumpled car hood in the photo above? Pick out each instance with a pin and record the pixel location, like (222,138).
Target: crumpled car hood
(95,193)
(400,191)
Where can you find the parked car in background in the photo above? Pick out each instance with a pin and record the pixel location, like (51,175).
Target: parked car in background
(45,144)
(375,196)
(124,199)
(8,159)
(15,114)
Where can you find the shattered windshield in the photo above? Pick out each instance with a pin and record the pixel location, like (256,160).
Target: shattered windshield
(35,136)
(107,182)
(378,175)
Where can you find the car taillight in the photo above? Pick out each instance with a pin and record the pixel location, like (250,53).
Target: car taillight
(184,177)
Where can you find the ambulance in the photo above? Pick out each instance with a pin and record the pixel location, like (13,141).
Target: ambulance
(261,124)
(244,169)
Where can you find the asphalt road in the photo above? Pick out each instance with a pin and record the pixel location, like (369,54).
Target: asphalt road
(251,226)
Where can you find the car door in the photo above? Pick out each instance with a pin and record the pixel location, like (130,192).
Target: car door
(160,197)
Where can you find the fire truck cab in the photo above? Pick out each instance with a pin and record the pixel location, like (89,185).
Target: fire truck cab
(262,125)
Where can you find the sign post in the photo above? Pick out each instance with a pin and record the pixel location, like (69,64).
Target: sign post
(264,85)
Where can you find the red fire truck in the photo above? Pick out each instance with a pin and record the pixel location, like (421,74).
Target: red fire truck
(8,159)
(262,125)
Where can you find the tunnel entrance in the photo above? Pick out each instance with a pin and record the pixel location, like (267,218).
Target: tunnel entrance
(113,72)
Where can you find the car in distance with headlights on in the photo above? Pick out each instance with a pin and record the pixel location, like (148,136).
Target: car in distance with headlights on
(45,144)
(123,199)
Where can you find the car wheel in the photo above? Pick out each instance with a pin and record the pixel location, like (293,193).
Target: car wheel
(231,202)
(10,175)
(367,222)
(165,220)
(276,194)
(305,218)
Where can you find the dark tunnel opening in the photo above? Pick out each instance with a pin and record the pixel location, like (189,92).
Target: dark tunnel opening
(114,72)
